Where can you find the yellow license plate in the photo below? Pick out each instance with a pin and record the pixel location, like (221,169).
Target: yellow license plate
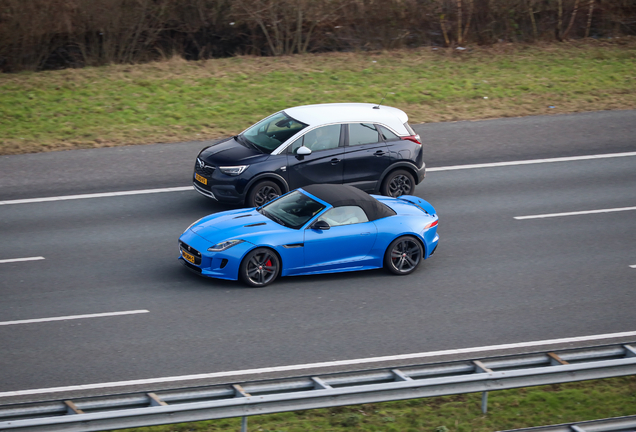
(187,256)
(200,179)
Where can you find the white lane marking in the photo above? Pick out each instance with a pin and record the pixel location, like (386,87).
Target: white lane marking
(576,213)
(633,266)
(448,168)
(4,261)
(96,195)
(74,317)
(317,365)
(531,161)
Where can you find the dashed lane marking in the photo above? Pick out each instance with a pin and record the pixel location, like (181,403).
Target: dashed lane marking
(12,260)
(531,161)
(95,195)
(576,213)
(74,317)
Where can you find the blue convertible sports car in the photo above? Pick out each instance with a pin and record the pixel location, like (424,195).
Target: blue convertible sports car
(322,228)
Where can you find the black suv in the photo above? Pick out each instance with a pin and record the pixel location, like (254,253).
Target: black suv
(371,147)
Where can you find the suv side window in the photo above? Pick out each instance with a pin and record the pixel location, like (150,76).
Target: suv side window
(345,215)
(363,133)
(322,138)
(387,134)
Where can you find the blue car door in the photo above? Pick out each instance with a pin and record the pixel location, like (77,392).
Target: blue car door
(345,244)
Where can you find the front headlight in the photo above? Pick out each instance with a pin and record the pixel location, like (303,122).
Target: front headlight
(221,246)
(233,170)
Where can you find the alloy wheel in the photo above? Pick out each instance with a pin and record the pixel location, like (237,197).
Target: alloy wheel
(405,255)
(400,185)
(265,195)
(262,268)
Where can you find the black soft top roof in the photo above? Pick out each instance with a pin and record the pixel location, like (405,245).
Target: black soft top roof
(343,195)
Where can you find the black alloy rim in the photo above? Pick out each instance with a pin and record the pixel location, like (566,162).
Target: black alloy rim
(262,268)
(405,255)
(400,185)
(265,195)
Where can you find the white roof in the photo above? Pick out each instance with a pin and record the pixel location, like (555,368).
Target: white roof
(314,115)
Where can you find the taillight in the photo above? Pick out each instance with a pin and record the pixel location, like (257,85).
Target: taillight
(431,225)
(414,138)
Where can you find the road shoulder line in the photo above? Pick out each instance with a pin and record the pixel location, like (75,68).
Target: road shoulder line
(317,365)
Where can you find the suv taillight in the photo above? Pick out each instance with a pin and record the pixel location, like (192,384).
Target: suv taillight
(414,138)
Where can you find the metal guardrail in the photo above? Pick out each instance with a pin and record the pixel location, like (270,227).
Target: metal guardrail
(616,424)
(323,391)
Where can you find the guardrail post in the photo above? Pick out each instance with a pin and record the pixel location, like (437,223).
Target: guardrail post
(240,392)
(482,368)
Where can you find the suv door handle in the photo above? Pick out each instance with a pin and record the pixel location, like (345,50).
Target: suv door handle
(334,161)
(379,153)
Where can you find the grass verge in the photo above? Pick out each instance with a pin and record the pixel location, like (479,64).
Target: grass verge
(177,100)
(509,409)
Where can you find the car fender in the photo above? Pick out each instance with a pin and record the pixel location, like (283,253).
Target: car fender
(400,226)
(267,176)
(288,261)
(419,239)
(399,164)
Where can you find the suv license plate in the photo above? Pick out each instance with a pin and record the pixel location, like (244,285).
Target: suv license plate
(200,179)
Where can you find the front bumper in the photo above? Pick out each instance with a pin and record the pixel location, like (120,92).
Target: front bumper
(225,193)
(220,265)
(202,191)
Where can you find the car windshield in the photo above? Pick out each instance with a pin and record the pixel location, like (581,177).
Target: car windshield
(271,132)
(292,210)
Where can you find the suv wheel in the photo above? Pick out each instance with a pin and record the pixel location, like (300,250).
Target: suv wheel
(397,183)
(262,193)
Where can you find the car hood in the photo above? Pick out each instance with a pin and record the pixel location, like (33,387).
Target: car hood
(231,152)
(245,224)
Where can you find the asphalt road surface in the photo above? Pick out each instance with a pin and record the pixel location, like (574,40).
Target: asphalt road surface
(495,279)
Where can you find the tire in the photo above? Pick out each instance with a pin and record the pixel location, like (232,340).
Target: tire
(260,268)
(403,255)
(262,193)
(397,183)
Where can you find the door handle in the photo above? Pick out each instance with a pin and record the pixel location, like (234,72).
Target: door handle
(379,153)
(334,161)
(365,233)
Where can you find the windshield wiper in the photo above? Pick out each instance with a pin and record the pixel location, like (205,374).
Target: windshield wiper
(241,139)
(272,217)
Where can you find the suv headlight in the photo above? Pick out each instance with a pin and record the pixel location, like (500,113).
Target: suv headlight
(233,170)
(221,246)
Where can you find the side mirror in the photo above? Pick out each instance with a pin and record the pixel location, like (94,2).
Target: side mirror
(320,225)
(303,151)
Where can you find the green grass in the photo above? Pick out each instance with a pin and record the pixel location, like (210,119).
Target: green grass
(177,100)
(509,409)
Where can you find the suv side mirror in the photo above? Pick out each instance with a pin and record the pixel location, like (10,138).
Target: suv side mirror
(303,151)
(320,225)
